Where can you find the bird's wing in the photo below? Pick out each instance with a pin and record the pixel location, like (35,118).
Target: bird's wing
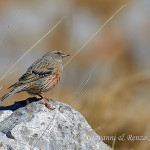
(39,69)
(44,72)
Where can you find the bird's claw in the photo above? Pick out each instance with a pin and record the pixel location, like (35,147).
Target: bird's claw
(48,106)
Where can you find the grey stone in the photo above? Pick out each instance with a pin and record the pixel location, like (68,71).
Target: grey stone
(34,126)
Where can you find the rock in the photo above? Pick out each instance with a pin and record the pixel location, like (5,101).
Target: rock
(34,127)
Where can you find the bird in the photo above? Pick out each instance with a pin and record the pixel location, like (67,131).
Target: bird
(40,77)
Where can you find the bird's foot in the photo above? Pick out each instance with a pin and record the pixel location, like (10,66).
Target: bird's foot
(48,106)
(46,103)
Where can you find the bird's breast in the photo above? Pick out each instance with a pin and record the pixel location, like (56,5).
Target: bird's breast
(52,80)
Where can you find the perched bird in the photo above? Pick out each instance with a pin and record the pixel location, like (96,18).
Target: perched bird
(41,76)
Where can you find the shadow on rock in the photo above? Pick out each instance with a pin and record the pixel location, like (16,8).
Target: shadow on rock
(20,104)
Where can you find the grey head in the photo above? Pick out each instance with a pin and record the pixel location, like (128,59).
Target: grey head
(56,55)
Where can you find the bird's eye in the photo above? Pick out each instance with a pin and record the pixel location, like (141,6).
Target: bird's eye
(59,53)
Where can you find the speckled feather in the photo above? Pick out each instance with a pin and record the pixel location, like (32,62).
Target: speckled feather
(41,76)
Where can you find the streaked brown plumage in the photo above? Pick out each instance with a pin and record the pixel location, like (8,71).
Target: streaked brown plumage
(41,76)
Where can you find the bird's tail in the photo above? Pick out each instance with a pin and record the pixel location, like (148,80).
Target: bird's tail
(5,96)
(13,91)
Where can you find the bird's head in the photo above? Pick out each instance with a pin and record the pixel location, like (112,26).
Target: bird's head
(56,54)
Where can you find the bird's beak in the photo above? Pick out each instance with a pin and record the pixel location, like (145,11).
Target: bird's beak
(65,55)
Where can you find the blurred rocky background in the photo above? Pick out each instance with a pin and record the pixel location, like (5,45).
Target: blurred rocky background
(116,100)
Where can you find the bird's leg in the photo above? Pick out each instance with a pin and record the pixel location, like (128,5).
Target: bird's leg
(47,99)
(46,103)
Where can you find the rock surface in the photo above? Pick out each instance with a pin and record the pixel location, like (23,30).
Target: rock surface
(34,127)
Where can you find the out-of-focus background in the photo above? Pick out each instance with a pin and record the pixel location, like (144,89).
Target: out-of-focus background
(116,100)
